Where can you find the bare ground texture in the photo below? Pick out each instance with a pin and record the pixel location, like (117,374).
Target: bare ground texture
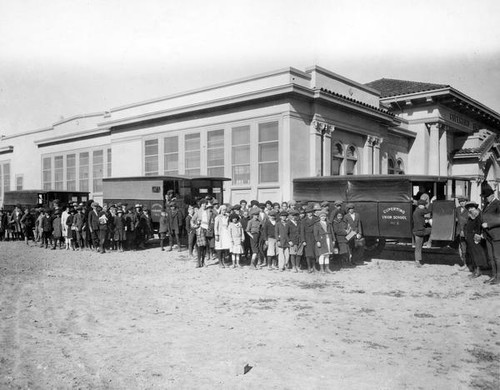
(149,319)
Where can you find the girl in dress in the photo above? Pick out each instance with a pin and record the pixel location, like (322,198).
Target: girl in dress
(222,237)
(237,237)
(323,234)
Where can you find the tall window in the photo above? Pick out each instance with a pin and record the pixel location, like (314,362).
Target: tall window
(46,173)
(192,154)
(58,172)
(351,159)
(268,152)
(171,156)
(108,162)
(6,177)
(337,158)
(215,153)
(151,157)
(241,155)
(19,182)
(71,172)
(97,170)
(84,170)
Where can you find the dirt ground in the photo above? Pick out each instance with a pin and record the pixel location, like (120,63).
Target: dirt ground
(149,319)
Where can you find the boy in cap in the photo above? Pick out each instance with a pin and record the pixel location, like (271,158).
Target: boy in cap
(269,236)
(253,232)
(282,240)
(163,230)
(119,223)
(294,239)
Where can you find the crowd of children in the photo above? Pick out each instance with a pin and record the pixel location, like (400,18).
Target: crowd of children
(263,235)
(275,236)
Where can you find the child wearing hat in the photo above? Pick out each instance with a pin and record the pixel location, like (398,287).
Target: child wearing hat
(253,232)
(294,239)
(323,234)
(236,234)
(57,230)
(163,229)
(282,240)
(420,229)
(269,236)
(119,235)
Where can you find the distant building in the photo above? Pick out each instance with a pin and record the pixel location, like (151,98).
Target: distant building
(262,132)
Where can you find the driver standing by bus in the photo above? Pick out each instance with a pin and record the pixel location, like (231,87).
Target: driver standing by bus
(420,229)
(491,226)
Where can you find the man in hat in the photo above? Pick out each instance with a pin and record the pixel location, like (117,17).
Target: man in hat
(420,228)
(461,217)
(269,237)
(353,220)
(491,226)
(93,225)
(307,237)
(176,223)
(253,232)
(477,254)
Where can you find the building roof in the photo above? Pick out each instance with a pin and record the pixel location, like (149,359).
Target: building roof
(487,141)
(394,87)
(357,102)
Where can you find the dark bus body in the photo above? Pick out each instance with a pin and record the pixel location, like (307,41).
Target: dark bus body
(151,191)
(41,198)
(386,202)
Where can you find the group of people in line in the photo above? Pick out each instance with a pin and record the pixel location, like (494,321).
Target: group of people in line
(275,236)
(262,235)
(477,233)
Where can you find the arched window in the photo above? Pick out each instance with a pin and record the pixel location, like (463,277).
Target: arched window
(337,158)
(395,167)
(351,160)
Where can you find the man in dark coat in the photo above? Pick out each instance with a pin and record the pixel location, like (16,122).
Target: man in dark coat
(308,241)
(491,226)
(353,220)
(461,217)
(93,225)
(420,229)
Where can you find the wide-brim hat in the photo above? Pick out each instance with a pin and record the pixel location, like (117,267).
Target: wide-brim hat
(309,209)
(283,214)
(487,192)
(138,206)
(325,204)
(272,213)
(293,213)
(349,206)
(317,207)
(462,199)
(337,203)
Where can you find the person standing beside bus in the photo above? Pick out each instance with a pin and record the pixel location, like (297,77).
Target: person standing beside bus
(353,219)
(420,229)
(491,226)
(27,223)
(461,217)
(307,236)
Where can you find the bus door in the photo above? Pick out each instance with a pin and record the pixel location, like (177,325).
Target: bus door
(42,199)
(217,187)
(168,185)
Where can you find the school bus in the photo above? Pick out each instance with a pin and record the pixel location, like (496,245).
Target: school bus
(152,192)
(386,202)
(41,198)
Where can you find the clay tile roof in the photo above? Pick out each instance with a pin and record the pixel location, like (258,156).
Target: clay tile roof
(393,87)
(483,147)
(357,102)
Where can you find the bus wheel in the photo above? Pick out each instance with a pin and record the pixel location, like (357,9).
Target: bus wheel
(374,247)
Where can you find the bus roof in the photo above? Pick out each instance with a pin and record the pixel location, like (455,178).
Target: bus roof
(170,177)
(413,178)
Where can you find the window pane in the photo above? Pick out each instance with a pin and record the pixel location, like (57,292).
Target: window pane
(336,165)
(268,131)
(46,173)
(192,142)
(338,150)
(71,172)
(241,174)
(215,157)
(350,166)
(268,172)
(108,173)
(58,172)
(171,144)
(192,160)
(97,170)
(171,164)
(151,147)
(215,139)
(151,166)
(241,154)
(241,135)
(219,171)
(351,152)
(84,171)
(19,183)
(192,172)
(268,152)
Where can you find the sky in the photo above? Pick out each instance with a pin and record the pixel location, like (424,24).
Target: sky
(60,58)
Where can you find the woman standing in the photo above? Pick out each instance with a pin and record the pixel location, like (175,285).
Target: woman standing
(237,238)
(323,234)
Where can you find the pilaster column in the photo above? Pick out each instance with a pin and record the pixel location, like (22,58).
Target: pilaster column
(323,143)
(371,155)
(438,149)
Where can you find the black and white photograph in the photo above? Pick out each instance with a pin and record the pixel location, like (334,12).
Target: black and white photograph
(250,194)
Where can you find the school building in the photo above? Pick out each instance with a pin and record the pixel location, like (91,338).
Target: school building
(262,132)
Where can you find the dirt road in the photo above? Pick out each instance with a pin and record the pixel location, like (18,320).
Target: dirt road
(149,319)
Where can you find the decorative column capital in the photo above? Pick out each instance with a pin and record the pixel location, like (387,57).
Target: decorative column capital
(322,128)
(374,141)
(436,125)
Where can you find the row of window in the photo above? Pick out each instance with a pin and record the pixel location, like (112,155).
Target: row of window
(344,159)
(395,166)
(162,156)
(81,171)
(4,178)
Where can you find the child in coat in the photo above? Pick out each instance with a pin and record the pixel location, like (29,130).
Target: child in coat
(163,230)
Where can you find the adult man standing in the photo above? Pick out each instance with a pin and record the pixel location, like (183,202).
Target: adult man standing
(93,224)
(461,217)
(491,226)
(420,229)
